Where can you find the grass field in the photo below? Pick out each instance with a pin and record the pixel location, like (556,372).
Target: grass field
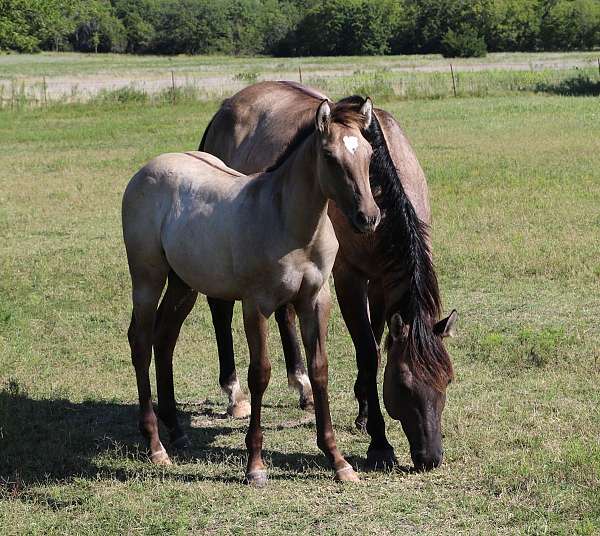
(515,188)
(42,79)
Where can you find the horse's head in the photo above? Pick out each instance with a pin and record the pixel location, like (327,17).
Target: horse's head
(343,158)
(417,373)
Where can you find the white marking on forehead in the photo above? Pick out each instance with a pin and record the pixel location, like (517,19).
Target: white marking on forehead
(351,143)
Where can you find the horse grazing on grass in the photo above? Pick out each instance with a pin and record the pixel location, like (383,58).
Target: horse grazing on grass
(386,275)
(264,239)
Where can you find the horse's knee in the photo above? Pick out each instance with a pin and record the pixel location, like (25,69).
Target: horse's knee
(318,373)
(259,375)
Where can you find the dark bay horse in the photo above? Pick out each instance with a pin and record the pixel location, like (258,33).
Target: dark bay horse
(384,275)
(264,239)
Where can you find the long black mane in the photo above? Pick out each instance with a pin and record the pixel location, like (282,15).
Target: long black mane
(404,247)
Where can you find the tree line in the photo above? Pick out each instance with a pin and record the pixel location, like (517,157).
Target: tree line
(299,27)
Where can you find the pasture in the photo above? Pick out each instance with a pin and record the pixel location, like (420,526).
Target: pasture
(515,192)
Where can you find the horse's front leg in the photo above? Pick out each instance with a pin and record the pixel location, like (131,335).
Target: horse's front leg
(259,373)
(351,291)
(296,373)
(314,317)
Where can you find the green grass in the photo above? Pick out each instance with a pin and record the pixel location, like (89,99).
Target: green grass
(64,63)
(515,191)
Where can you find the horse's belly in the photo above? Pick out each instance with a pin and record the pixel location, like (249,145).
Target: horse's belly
(199,253)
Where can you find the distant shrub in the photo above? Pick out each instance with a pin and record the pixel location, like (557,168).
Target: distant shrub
(250,77)
(464,43)
(577,86)
(122,95)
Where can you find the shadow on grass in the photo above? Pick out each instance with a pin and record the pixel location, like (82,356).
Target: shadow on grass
(577,86)
(47,441)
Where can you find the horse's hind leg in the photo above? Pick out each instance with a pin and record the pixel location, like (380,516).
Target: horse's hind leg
(147,288)
(296,372)
(176,305)
(222,314)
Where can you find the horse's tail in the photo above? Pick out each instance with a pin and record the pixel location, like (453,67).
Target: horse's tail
(203,140)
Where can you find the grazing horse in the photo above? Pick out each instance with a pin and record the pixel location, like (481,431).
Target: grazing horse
(264,239)
(377,276)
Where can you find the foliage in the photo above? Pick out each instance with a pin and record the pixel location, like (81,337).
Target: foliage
(571,24)
(577,86)
(514,25)
(463,43)
(299,27)
(347,27)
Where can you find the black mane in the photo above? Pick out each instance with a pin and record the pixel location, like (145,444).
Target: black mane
(404,247)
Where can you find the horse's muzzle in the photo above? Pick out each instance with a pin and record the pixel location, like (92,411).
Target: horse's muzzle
(427,461)
(364,223)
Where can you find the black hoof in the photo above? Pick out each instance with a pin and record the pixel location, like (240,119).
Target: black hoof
(307,404)
(181,443)
(381,459)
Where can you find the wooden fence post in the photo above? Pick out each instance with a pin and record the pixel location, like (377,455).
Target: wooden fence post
(172,87)
(453,82)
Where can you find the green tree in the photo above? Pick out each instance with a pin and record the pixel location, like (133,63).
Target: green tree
(97,29)
(193,27)
(514,25)
(19,22)
(343,27)
(139,18)
(570,24)
(432,24)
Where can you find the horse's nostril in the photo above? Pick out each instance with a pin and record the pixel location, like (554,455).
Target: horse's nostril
(361,218)
(427,462)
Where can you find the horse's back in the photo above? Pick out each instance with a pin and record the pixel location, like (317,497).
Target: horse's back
(254,126)
(178,206)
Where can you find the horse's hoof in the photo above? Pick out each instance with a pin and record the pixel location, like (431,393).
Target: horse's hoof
(256,478)
(160,457)
(239,410)
(307,404)
(381,459)
(346,474)
(181,443)
(361,424)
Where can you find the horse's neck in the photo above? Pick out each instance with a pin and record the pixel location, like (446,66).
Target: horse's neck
(302,203)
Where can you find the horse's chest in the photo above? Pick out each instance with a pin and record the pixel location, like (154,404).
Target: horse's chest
(357,250)
(293,277)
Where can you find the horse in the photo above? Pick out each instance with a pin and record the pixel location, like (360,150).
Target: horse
(379,275)
(264,239)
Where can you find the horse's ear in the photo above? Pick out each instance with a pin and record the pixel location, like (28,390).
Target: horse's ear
(367,111)
(445,327)
(396,326)
(323,116)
